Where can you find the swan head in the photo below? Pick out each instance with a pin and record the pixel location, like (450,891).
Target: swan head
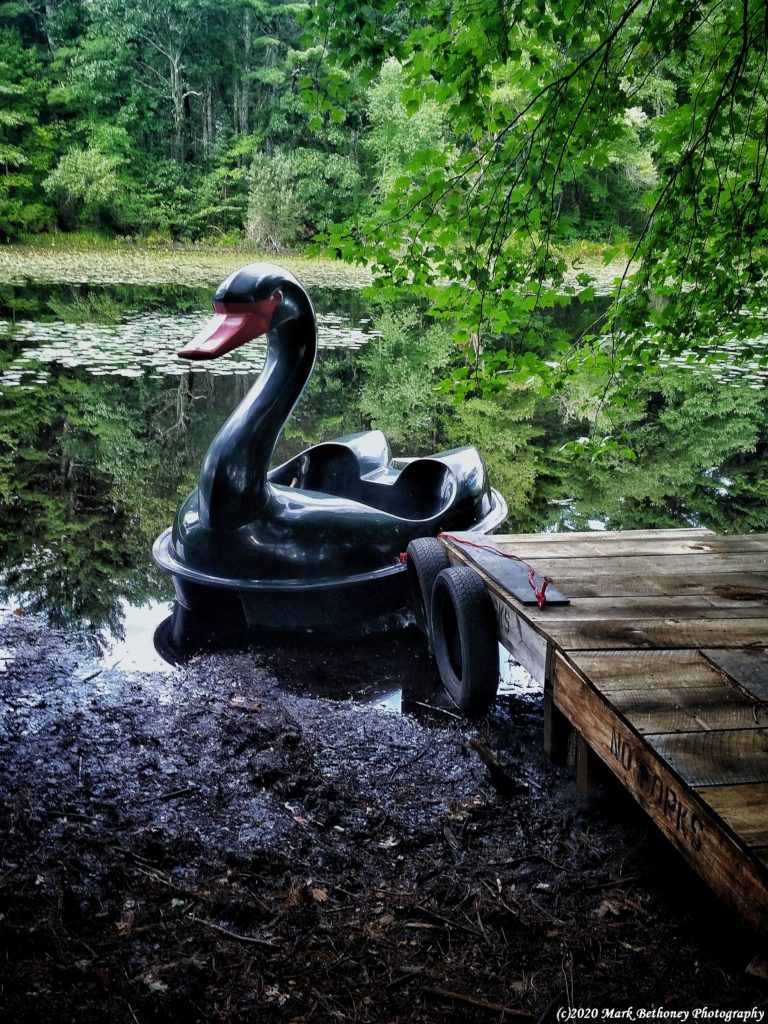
(253,301)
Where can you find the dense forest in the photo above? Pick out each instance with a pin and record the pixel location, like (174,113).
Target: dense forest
(197,119)
(459,148)
(165,121)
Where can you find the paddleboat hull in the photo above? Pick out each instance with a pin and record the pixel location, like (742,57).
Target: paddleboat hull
(212,607)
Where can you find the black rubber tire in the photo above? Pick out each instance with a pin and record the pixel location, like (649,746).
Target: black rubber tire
(465,641)
(426,559)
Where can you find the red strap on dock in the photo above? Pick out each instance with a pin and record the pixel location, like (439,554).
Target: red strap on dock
(541,594)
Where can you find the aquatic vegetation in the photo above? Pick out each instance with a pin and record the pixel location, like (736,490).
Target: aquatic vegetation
(143,343)
(136,265)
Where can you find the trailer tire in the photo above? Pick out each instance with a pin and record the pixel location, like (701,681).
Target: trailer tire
(426,559)
(464,638)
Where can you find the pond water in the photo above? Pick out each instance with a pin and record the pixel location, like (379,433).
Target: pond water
(103,430)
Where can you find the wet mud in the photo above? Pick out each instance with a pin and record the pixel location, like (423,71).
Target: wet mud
(239,840)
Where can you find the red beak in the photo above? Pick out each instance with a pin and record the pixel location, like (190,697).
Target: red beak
(233,324)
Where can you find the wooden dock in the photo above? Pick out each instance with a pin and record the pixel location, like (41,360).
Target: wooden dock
(660,664)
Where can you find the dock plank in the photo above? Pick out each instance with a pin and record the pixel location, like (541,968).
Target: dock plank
(743,808)
(730,585)
(628,669)
(661,633)
(716,758)
(687,564)
(557,539)
(684,606)
(686,819)
(677,709)
(529,648)
(616,545)
(747,668)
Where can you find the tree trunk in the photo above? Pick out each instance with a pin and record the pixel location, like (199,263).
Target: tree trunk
(207,127)
(178,100)
(243,121)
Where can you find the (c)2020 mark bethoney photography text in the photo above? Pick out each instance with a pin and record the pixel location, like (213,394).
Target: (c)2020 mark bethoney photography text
(635,1013)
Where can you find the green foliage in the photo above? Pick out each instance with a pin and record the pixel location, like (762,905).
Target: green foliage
(402,368)
(26,144)
(86,188)
(81,309)
(693,438)
(508,430)
(396,136)
(563,124)
(274,214)
(293,195)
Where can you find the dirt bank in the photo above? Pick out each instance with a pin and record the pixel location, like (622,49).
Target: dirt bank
(212,844)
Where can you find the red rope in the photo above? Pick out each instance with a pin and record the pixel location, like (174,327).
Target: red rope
(541,598)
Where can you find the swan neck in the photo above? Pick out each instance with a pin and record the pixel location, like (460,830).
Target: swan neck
(233,486)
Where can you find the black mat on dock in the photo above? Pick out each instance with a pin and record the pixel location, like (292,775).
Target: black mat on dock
(514,576)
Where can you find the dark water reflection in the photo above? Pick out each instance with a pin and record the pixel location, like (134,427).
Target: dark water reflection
(103,431)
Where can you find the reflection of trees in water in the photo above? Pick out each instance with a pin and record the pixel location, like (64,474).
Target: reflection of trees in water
(92,468)
(86,482)
(698,443)
(698,446)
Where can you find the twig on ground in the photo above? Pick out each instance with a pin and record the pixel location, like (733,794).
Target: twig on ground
(499,777)
(252,939)
(169,796)
(610,884)
(407,764)
(483,1004)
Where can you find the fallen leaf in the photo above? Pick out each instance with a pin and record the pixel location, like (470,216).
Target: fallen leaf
(244,702)
(758,967)
(319,895)
(611,907)
(126,923)
(154,985)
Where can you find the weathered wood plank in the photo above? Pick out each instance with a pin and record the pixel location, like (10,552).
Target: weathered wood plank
(736,586)
(720,757)
(744,808)
(614,545)
(691,709)
(703,606)
(737,876)
(525,644)
(749,669)
(630,670)
(590,535)
(658,633)
(690,564)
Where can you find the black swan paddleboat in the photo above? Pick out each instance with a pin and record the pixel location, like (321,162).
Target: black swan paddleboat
(318,540)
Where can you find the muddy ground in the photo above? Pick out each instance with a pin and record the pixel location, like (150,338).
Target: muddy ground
(218,843)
